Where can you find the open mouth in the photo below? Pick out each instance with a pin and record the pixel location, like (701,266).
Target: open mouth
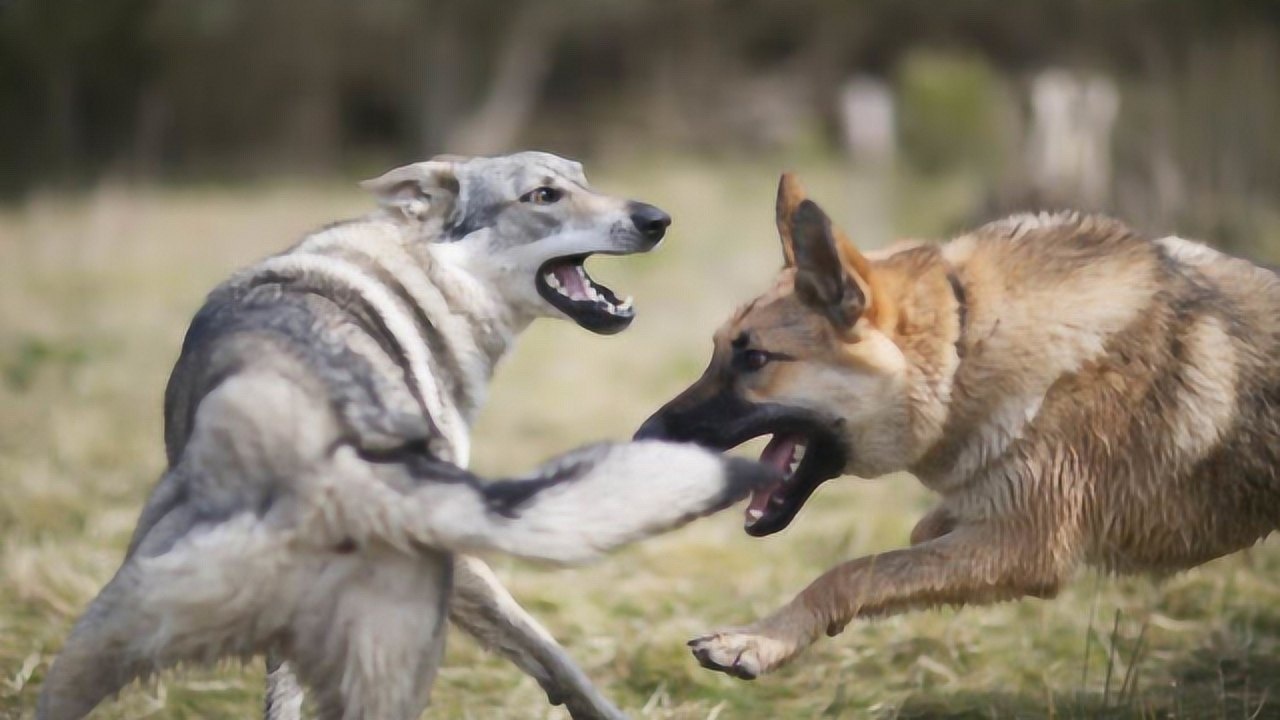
(565,284)
(806,457)
(805,446)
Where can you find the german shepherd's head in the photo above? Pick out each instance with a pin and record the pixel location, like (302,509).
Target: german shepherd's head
(830,361)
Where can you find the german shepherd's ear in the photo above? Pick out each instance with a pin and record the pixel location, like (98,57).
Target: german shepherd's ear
(832,277)
(790,194)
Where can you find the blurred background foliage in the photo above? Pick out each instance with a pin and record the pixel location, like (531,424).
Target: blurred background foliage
(193,90)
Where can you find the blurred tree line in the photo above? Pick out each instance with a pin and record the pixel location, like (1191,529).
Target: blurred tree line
(176,89)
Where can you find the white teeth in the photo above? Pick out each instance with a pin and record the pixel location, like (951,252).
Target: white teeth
(755,514)
(797,455)
(589,293)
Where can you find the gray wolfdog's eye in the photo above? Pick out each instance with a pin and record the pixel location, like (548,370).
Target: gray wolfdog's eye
(542,196)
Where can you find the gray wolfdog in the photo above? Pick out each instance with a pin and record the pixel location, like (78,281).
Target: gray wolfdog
(1076,393)
(315,505)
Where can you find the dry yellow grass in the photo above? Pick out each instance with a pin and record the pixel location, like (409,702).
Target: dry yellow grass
(95,293)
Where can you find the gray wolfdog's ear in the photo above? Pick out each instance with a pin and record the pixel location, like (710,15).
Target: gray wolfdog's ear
(417,190)
(823,282)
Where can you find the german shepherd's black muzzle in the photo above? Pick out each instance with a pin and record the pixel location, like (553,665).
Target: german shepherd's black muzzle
(711,413)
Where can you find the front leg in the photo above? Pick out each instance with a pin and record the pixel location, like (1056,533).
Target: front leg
(971,564)
(484,609)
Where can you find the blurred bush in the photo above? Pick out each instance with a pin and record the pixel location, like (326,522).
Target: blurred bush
(954,113)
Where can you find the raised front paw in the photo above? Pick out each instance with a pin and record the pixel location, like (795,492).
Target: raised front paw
(745,654)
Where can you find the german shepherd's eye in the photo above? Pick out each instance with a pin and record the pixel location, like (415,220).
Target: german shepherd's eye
(543,196)
(752,360)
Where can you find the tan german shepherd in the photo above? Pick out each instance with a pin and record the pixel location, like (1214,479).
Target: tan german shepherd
(1074,392)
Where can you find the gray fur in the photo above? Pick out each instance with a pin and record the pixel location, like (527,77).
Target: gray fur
(316,505)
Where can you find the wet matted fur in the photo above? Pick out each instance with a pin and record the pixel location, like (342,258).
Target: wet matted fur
(1076,394)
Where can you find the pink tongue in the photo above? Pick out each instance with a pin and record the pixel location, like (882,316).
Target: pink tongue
(776,454)
(571,280)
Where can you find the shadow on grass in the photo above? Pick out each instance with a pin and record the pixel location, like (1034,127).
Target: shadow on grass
(1226,680)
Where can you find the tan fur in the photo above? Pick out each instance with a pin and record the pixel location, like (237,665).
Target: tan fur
(1110,400)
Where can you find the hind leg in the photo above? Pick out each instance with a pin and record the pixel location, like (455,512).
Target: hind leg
(102,655)
(96,660)
(213,592)
(484,609)
(284,695)
(368,635)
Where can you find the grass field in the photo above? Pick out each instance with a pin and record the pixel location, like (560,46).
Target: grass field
(96,291)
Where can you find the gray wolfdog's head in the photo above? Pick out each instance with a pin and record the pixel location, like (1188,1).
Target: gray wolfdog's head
(525,223)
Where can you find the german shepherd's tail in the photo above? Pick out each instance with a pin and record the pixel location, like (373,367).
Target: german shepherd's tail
(575,507)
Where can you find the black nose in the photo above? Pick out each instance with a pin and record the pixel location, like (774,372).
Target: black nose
(650,221)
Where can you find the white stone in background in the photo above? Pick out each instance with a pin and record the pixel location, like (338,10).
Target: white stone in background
(869,129)
(1069,148)
(867,121)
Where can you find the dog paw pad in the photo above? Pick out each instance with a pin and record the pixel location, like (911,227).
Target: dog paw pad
(740,655)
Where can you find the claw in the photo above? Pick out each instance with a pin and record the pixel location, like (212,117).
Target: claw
(739,670)
(703,649)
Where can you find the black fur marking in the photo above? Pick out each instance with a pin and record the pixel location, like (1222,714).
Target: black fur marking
(479,212)
(411,449)
(416,457)
(356,309)
(435,341)
(461,227)
(962,309)
(295,320)
(506,497)
(501,497)
(266,500)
